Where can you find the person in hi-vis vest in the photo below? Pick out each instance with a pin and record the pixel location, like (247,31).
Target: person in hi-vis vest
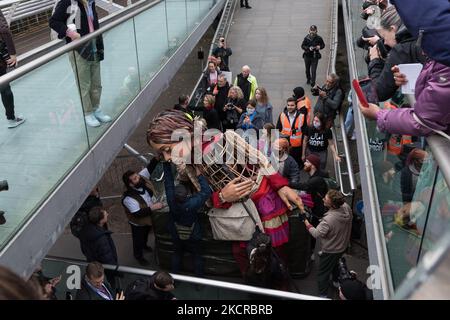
(291,124)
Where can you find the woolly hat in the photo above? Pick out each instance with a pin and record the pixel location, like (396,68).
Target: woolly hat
(314,160)
(299,92)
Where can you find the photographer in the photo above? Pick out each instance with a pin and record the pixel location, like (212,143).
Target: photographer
(312,44)
(8,59)
(224,53)
(233,108)
(334,232)
(330,98)
(404,50)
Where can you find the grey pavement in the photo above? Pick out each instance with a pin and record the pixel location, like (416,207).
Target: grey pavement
(268,38)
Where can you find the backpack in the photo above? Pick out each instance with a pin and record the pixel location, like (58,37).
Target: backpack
(139,289)
(78,222)
(73,12)
(430,22)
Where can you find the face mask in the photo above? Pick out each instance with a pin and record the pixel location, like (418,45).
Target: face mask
(250,111)
(316,124)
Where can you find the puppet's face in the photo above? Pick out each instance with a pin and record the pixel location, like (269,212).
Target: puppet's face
(178,152)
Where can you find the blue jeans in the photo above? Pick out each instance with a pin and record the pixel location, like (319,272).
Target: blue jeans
(349,123)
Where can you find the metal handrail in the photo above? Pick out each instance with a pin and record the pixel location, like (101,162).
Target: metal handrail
(367,170)
(200,281)
(440,148)
(332,69)
(21,71)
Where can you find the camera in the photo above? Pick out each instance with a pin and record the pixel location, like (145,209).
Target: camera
(4,53)
(229,106)
(316,90)
(4,185)
(344,273)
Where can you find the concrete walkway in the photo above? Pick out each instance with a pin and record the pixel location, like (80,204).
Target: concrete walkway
(268,38)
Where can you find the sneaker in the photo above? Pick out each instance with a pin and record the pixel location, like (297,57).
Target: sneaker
(248,7)
(101,116)
(16,122)
(91,120)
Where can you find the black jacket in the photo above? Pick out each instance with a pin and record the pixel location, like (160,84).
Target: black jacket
(221,100)
(331,104)
(58,22)
(405,51)
(317,188)
(6,36)
(224,54)
(212,119)
(86,293)
(98,245)
(312,42)
(245,86)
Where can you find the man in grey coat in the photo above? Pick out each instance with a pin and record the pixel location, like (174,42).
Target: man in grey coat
(330,98)
(334,232)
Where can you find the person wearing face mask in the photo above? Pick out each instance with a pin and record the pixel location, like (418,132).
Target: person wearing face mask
(250,119)
(138,205)
(291,124)
(317,140)
(312,44)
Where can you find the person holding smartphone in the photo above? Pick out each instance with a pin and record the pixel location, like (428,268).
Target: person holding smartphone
(224,53)
(8,60)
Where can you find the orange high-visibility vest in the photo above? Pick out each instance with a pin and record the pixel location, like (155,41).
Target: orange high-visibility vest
(305,103)
(396,141)
(296,138)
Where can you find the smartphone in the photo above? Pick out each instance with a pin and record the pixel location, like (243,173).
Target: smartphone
(361,97)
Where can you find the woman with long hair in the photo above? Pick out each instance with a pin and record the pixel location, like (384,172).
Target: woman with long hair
(263,106)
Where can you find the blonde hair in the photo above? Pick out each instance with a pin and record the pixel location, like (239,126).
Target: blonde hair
(210,99)
(240,94)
